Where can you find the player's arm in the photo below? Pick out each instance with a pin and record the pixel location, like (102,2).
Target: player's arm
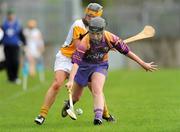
(118,44)
(76,60)
(76,42)
(147,66)
(41,42)
(76,35)
(122,47)
(73,72)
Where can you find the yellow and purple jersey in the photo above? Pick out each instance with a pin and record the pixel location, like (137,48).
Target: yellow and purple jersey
(87,51)
(77,30)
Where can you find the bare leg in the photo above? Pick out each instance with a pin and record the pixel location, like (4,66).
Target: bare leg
(97,92)
(60,77)
(77,92)
(32,66)
(105,109)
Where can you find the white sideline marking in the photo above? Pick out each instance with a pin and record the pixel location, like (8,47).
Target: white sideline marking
(21,93)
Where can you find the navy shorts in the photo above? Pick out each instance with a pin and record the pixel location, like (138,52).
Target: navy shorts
(85,70)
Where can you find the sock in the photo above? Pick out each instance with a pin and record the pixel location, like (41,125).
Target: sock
(98,113)
(106,111)
(44,111)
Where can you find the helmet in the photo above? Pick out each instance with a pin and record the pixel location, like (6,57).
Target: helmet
(94,9)
(97,24)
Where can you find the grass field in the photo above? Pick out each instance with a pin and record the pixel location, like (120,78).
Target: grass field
(140,101)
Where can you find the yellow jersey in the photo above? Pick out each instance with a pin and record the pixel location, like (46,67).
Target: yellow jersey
(77,30)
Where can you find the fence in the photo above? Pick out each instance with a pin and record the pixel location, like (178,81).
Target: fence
(55,18)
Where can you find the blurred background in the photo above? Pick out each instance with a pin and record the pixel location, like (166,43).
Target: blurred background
(124,17)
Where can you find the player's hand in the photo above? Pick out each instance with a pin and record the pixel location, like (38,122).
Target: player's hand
(69,84)
(150,66)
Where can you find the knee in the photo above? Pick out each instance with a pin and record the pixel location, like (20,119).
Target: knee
(97,92)
(57,84)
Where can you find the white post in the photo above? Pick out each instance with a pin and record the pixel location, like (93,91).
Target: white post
(76,9)
(25,82)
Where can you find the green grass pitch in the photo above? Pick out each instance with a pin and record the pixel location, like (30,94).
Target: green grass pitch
(140,102)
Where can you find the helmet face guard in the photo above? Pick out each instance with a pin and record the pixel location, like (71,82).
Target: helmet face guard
(95,29)
(96,25)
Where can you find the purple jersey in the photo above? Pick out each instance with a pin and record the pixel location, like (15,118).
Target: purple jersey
(96,52)
(93,53)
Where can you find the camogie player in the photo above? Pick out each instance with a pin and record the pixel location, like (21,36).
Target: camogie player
(34,47)
(90,63)
(63,64)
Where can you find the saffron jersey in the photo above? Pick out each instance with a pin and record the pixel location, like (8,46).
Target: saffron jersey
(77,31)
